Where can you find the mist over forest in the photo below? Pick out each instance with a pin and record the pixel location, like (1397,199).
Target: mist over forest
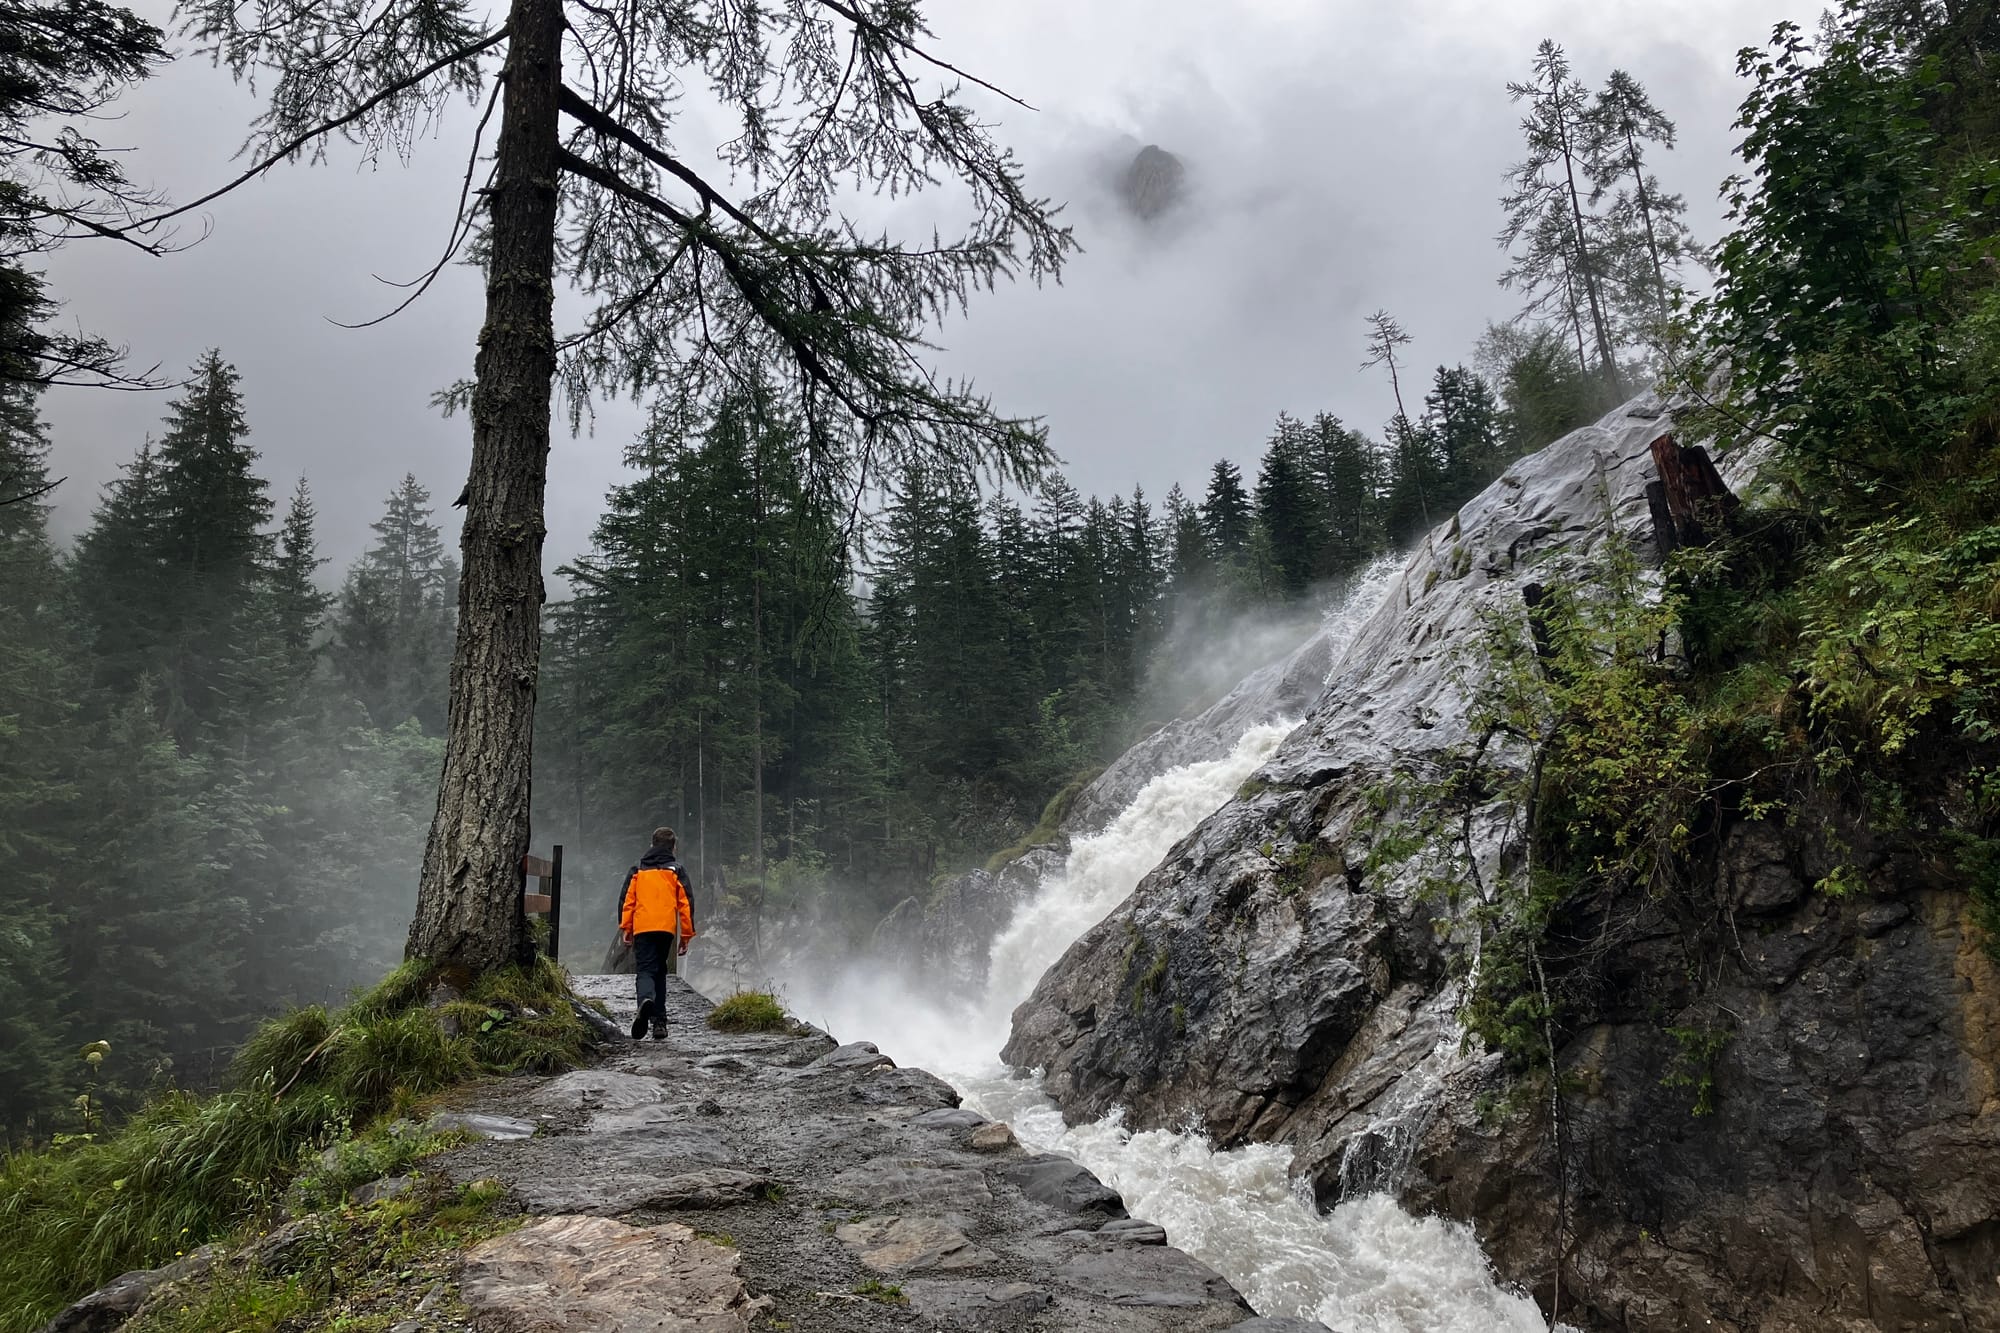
(1331,633)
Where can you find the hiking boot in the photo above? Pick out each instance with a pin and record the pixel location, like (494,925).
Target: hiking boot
(659,1028)
(648,1012)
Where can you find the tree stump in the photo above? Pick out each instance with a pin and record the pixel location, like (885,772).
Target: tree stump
(1693,505)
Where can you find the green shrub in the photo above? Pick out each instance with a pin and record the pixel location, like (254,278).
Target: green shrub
(385,1150)
(748,1011)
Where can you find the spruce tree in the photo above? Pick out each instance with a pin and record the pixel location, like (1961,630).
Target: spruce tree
(298,603)
(121,578)
(1225,512)
(1462,419)
(210,509)
(38,688)
(392,641)
(1286,510)
(1346,475)
(1188,560)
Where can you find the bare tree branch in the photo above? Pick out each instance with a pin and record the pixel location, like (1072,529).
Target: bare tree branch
(291,147)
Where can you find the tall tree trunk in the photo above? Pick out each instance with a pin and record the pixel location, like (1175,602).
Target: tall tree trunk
(1646,220)
(757,655)
(576,722)
(469,914)
(700,801)
(1608,362)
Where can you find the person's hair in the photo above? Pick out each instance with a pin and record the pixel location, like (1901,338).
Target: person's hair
(664,837)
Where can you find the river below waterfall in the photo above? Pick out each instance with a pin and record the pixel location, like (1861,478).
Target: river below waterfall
(1365,1267)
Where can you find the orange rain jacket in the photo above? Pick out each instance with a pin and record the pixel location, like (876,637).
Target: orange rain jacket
(656,899)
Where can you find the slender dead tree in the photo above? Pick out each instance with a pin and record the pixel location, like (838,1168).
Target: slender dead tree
(1385,338)
(701,279)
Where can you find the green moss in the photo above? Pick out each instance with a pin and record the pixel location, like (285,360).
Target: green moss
(1049,827)
(877,1290)
(1304,867)
(363,1271)
(1151,980)
(748,1011)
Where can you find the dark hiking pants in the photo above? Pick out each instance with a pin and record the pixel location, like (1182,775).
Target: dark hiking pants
(655,953)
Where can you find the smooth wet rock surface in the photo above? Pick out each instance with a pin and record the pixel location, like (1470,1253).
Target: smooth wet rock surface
(594,1275)
(822,1175)
(1272,981)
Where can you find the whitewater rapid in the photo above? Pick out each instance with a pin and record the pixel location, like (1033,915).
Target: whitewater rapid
(1365,1267)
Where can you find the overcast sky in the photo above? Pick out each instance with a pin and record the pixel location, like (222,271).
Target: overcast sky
(1344,155)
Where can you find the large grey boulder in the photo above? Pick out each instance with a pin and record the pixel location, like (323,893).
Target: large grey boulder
(1266,983)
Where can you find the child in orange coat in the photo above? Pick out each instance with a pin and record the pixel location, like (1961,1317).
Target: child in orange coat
(657,920)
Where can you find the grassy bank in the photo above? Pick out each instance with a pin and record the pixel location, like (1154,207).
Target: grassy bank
(189,1170)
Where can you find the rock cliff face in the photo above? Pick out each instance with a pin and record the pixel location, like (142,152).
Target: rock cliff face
(1153,183)
(1263,981)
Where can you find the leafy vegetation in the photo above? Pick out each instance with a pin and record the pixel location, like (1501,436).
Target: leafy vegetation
(1830,653)
(875,1289)
(188,1170)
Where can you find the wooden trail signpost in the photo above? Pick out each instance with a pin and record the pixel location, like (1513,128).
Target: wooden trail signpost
(547,874)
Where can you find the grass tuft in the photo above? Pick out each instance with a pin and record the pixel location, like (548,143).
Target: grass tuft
(189,1170)
(748,1011)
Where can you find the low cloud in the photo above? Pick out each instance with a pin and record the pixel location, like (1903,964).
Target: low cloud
(1340,158)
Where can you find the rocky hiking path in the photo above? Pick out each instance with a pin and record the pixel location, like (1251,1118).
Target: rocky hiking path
(720,1181)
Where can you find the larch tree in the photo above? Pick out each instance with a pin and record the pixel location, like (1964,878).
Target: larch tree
(699,281)
(61,63)
(1545,206)
(1647,237)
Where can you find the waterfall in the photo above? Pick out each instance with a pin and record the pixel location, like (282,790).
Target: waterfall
(1365,1267)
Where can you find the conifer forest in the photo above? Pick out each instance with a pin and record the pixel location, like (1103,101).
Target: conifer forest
(1602,932)
(828,704)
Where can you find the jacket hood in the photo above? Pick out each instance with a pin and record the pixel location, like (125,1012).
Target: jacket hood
(657,858)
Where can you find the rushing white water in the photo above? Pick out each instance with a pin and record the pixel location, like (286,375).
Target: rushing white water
(1366,1267)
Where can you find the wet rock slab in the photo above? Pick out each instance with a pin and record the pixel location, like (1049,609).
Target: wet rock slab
(830,1171)
(1846,1173)
(595,1275)
(908,1244)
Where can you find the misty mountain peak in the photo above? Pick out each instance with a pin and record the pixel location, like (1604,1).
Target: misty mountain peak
(1153,182)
